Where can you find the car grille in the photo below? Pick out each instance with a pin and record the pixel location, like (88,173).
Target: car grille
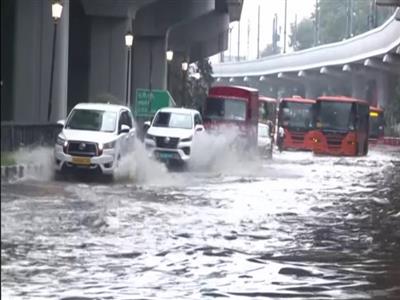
(82,149)
(163,142)
(334,140)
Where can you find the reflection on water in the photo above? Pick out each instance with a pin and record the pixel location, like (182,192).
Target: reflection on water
(297,227)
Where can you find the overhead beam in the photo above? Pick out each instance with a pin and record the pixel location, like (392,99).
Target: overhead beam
(391,59)
(378,64)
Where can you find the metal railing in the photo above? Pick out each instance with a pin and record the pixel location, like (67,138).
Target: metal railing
(14,135)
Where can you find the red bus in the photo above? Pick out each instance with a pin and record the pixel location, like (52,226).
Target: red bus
(376,125)
(295,117)
(233,106)
(341,126)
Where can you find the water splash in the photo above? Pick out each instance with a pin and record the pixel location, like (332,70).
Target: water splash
(40,161)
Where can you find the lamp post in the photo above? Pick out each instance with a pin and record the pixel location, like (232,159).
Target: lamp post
(128,44)
(170,56)
(185,67)
(56,10)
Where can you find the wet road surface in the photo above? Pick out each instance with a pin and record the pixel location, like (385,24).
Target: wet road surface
(296,227)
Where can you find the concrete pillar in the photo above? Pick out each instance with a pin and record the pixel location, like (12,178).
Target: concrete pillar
(382,86)
(358,86)
(33,49)
(310,90)
(150,64)
(108,59)
(60,83)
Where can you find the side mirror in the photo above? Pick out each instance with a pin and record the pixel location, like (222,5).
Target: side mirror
(124,128)
(146,125)
(199,128)
(61,122)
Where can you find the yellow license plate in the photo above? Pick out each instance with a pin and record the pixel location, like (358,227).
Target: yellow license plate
(81,160)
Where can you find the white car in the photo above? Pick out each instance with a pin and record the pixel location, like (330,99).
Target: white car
(95,136)
(170,135)
(264,142)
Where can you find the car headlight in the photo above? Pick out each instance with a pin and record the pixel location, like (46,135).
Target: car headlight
(188,139)
(109,145)
(61,141)
(150,137)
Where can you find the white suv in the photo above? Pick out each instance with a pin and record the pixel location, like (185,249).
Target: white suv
(95,136)
(170,136)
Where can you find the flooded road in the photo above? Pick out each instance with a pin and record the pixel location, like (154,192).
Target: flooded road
(295,227)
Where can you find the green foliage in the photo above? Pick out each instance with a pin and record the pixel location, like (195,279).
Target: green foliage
(198,84)
(7,159)
(333,22)
(302,37)
(269,50)
(392,114)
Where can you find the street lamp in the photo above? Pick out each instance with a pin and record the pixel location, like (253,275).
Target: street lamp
(185,66)
(170,56)
(128,44)
(56,11)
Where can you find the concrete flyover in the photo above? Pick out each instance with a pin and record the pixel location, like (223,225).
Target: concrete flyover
(365,66)
(91,59)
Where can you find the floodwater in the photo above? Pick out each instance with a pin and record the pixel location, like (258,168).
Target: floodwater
(294,227)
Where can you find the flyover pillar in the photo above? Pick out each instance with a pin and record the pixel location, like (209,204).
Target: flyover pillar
(382,89)
(358,87)
(311,91)
(150,67)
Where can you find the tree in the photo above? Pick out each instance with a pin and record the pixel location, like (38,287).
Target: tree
(198,82)
(333,16)
(392,114)
(269,50)
(301,36)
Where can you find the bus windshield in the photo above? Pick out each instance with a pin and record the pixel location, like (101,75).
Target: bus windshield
(335,116)
(296,115)
(225,109)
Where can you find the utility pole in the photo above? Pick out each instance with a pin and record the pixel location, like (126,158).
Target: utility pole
(238,50)
(275,37)
(248,38)
(316,25)
(258,33)
(295,32)
(230,42)
(349,23)
(284,29)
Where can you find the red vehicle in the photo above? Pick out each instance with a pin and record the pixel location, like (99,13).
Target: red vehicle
(341,126)
(376,125)
(233,106)
(295,122)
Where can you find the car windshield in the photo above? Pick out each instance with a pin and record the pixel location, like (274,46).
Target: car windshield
(95,120)
(335,116)
(173,120)
(297,115)
(225,109)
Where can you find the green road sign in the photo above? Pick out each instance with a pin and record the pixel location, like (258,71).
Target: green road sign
(148,102)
